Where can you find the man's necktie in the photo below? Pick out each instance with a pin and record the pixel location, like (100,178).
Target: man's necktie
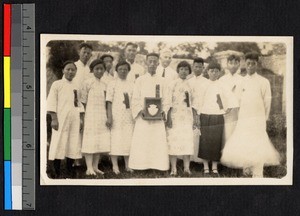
(163,74)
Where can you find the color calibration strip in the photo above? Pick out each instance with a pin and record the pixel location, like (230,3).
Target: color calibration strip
(7,108)
(19,99)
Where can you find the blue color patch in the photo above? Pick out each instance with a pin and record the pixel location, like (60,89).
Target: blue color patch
(7,186)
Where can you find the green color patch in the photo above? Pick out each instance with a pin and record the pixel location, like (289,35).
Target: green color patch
(7,134)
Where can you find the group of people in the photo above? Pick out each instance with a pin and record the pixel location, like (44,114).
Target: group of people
(96,108)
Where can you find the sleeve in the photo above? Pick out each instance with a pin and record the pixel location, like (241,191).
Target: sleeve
(52,99)
(84,92)
(267,97)
(230,98)
(193,96)
(110,91)
(137,103)
(167,96)
(200,94)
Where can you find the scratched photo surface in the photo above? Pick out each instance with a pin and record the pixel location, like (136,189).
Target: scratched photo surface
(166,110)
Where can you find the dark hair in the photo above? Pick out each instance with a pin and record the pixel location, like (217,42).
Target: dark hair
(198,60)
(252,56)
(131,44)
(106,55)
(233,57)
(123,63)
(85,45)
(96,62)
(184,64)
(152,54)
(68,62)
(214,65)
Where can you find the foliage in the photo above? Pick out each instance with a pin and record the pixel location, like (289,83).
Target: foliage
(276,126)
(61,51)
(243,47)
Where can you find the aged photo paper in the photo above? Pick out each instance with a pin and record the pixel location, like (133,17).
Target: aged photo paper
(67,77)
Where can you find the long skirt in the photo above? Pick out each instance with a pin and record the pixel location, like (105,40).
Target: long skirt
(211,137)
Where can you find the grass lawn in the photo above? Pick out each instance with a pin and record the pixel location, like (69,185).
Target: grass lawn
(196,168)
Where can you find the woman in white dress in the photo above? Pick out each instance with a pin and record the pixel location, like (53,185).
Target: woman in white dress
(67,119)
(96,135)
(181,119)
(249,146)
(119,115)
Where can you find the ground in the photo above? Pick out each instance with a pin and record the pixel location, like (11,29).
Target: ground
(196,169)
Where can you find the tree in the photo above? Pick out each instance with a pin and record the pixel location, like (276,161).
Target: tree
(243,47)
(279,49)
(61,51)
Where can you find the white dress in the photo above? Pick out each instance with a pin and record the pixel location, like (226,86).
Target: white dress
(66,141)
(149,149)
(123,123)
(180,137)
(232,83)
(249,144)
(96,136)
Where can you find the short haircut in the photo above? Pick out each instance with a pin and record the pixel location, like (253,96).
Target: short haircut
(198,60)
(152,54)
(96,62)
(131,44)
(106,55)
(85,45)
(184,64)
(68,62)
(252,56)
(234,57)
(214,65)
(123,63)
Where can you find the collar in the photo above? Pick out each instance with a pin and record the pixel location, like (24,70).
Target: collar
(148,74)
(65,80)
(252,76)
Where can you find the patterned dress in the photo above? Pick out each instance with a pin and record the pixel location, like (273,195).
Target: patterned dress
(66,141)
(96,136)
(180,137)
(122,129)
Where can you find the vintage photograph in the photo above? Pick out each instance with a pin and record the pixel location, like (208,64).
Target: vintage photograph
(166,110)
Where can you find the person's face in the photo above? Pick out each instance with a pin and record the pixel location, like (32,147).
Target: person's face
(213,74)
(251,66)
(152,63)
(85,54)
(183,72)
(98,71)
(108,63)
(198,68)
(130,52)
(166,59)
(233,65)
(69,71)
(123,71)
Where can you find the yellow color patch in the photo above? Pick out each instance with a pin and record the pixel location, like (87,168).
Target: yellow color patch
(7,89)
